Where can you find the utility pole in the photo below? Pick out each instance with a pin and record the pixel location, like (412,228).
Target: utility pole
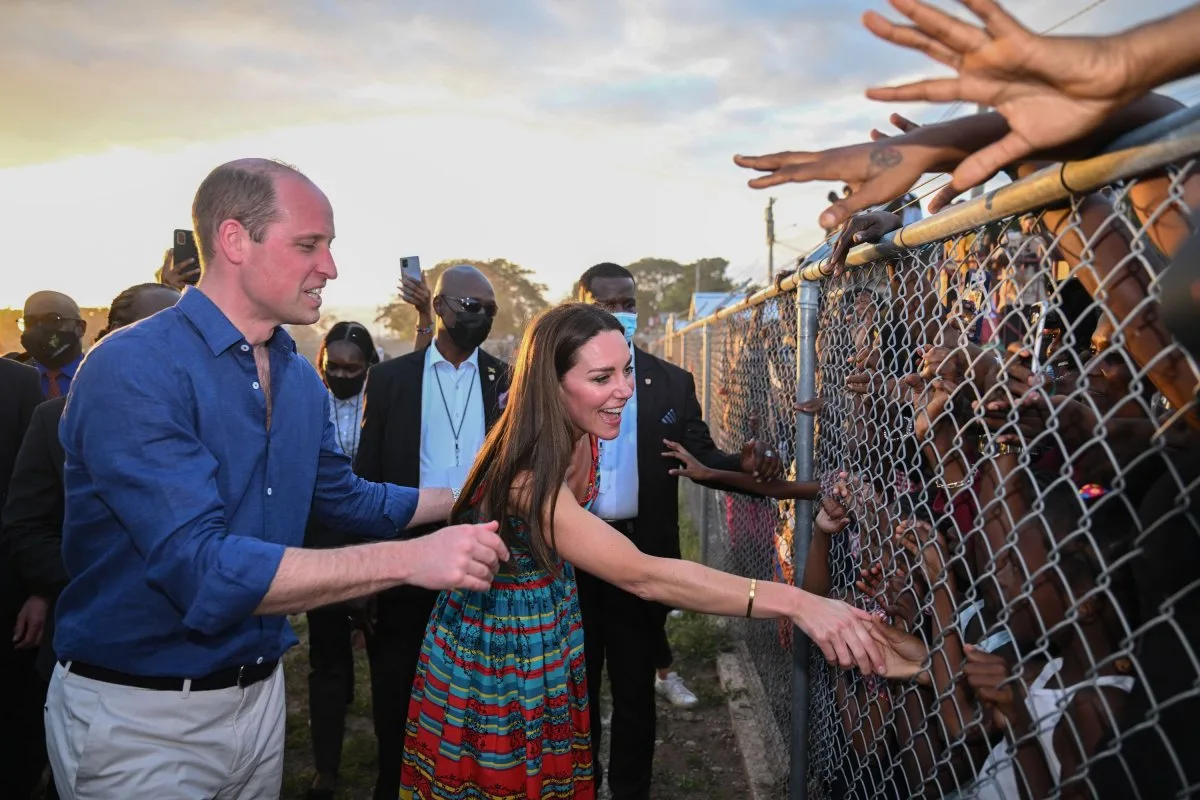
(697,265)
(771,240)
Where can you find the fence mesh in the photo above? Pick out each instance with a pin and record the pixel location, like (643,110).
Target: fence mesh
(1008,471)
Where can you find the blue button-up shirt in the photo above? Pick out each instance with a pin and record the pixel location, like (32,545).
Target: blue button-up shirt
(180,502)
(618,478)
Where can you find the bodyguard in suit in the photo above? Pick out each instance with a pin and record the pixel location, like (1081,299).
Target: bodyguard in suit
(32,523)
(20,393)
(424,419)
(639,497)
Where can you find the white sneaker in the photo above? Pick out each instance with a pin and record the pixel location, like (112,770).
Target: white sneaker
(675,614)
(674,690)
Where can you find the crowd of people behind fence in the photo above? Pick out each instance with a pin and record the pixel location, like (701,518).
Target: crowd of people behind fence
(1001,576)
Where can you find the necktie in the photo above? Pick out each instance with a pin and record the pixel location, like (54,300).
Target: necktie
(52,389)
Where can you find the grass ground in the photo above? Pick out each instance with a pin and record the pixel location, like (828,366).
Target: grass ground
(696,757)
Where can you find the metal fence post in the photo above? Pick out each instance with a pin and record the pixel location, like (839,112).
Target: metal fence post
(706,384)
(808,299)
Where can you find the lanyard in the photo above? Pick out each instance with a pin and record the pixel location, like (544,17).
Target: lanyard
(450,417)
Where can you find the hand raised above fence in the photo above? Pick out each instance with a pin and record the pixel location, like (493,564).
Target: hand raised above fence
(867,228)
(1051,90)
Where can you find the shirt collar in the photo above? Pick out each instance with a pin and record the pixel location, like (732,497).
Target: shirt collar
(215,328)
(67,369)
(436,356)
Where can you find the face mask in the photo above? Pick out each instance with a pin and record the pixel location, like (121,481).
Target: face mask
(51,348)
(345,388)
(628,320)
(470,330)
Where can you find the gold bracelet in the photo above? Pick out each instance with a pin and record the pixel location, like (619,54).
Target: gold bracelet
(750,604)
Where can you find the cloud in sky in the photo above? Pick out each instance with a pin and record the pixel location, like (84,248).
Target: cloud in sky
(553,132)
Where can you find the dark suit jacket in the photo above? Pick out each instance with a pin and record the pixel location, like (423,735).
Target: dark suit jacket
(667,409)
(33,516)
(389,448)
(20,393)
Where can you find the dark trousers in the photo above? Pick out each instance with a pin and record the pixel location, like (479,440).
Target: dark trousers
(394,650)
(662,651)
(22,723)
(330,683)
(623,634)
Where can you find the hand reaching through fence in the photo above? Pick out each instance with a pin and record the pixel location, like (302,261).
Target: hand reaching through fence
(758,458)
(694,470)
(867,228)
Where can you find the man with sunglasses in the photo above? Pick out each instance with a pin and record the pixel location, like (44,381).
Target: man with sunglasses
(52,334)
(424,419)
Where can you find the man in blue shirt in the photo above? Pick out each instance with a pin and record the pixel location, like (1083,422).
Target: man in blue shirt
(196,443)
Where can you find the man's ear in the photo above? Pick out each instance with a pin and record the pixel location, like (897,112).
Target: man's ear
(82,327)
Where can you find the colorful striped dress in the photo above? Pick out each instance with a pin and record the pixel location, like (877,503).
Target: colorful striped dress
(499,706)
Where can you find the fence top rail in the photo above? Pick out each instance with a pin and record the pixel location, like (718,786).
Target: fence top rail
(1150,147)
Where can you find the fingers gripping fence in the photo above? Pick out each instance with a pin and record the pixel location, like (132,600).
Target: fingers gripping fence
(1009,479)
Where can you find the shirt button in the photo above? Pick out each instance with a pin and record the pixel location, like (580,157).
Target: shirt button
(254,385)
(245,348)
(268,491)
(260,660)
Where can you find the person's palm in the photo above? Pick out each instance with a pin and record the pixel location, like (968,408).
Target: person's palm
(1051,90)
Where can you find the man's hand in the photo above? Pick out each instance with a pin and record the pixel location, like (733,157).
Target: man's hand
(416,293)
(456,557)
(178,276)
(759,458)
(878,172)
(691,467)
(1051,90)
(866,228)
(31,622)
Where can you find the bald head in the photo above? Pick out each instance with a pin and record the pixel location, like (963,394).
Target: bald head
(464,280)
(51,303)
(465,304)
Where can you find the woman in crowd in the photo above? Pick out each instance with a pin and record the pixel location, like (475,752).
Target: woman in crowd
(499,706)
(346,352)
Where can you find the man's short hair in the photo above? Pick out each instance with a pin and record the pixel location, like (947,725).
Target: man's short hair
(243,190)
(605,270)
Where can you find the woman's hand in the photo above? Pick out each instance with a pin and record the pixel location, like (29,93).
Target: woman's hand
(842,631)
(691,467)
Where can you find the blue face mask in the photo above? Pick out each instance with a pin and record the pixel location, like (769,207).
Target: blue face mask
(628,320)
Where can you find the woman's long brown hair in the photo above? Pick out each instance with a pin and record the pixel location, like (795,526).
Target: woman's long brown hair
(534,436)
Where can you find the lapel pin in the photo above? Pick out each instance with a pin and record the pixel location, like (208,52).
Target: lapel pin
(647,381)
(491,377)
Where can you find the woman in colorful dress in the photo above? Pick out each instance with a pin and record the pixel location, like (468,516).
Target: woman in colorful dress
(499,704)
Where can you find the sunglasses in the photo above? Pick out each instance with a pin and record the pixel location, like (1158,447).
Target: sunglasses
(470,305)
(43,321)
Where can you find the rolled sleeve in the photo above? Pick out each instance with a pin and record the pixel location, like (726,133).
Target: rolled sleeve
(359,507)
(131,421)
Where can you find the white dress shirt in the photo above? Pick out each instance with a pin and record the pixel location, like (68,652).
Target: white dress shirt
(618,470)
(347,419)
(462,411)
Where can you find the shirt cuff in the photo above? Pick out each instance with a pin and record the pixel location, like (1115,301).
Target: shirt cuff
(399,505)
(235,585)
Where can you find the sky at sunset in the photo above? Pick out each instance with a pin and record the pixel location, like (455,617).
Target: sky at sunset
(549,132)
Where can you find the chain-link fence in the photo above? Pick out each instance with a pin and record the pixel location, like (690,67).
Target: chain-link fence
(1007,457)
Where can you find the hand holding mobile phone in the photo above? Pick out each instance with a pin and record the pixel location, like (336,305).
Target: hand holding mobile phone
(410,267)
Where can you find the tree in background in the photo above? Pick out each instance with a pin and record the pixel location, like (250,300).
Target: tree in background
(518,295)
(666,286)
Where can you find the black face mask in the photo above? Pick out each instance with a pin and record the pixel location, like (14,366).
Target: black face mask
(51,348)
(345,388)
(470,330)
